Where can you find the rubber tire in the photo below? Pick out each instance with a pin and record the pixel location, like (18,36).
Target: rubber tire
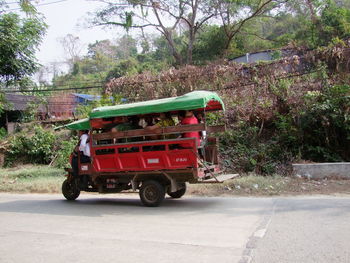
(153,188)
(70,191)
(179,193)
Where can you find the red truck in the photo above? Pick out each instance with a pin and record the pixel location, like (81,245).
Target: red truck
(149,161)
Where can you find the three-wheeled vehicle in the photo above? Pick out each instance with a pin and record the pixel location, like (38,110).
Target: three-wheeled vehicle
(149,161)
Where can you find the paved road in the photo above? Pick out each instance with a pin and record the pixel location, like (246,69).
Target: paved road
(105,228)
(306,230)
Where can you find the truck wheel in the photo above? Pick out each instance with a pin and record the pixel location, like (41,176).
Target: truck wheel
(70,190)
(179,193)
(152,193)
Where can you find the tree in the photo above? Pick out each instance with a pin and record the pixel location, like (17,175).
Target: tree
(72,48)
(335,23)
(24,5)
(235,15)
(210,44)
(122,68)
(161,51)
(104,47)
(311,22)
(126,47)
(166,16)
(20,38)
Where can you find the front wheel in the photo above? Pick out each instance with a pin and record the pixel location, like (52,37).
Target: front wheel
(70,190)
(152,193)
(178,193)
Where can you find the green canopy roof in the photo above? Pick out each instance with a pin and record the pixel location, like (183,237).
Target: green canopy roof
(83,124)
(189,101)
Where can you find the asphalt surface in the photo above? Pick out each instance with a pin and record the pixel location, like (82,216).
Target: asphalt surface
(117,228)
(306,230)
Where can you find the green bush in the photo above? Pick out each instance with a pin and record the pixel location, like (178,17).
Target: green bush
(243,149)
(325,125)
(37,148)
(3,133)
(66,148)
(40,146)
(318,132)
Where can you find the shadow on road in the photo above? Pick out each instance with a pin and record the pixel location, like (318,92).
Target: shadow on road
(98,206)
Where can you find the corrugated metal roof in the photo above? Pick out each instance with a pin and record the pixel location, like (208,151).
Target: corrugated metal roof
(87,96)
(17,102)
(94,97)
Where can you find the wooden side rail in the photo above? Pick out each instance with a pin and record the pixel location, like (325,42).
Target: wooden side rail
(143,132)
(160,131)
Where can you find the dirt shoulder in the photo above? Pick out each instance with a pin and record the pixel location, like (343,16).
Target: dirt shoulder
(272,185)
(45,179)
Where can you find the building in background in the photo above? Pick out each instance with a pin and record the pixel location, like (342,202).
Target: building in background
(265,55)
(58,107)
(17,108)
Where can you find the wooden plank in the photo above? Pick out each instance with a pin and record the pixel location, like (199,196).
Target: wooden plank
(143,132)
(143,143)
(160,131)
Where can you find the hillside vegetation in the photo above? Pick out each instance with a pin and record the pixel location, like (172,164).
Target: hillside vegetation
(292,109)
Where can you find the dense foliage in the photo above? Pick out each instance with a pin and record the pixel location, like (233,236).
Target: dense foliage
(235,26)
(325,125)
(65,150)
(35,148)
(318,130)
(20,38)
(40,146)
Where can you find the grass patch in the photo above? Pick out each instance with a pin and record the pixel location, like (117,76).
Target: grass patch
(31,179)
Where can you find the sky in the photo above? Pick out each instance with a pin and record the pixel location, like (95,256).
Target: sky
(67,17)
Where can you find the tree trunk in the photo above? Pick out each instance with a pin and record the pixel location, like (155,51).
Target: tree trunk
(176,55)
(190,47)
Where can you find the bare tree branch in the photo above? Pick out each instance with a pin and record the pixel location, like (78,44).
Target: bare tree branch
(168,15)
(231,29)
